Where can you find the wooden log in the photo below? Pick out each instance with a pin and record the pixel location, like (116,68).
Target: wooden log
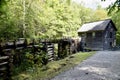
(30,46)
(3,63)
(3,69)
(9,45)
(10,67)
(36,45)
(19,48)
(50,59)
(3,58)
(1,75)
(6,50)
(49,46)
(50,52)
(49,49)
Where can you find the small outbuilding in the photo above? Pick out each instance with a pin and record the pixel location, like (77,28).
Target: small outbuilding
(99,35)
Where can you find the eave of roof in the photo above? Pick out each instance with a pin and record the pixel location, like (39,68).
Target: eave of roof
(91,31)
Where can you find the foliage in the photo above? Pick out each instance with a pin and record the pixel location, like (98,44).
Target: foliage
(102,14)
(52,68)
(115,17)
(28,60)
(43,19)
(113,6)
(114,12)
(39,58)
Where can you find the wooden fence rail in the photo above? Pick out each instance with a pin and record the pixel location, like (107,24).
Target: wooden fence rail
(5,68)
(6,58)
(21,44)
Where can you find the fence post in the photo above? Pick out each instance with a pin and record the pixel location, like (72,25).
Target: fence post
(25,43)
(59,49)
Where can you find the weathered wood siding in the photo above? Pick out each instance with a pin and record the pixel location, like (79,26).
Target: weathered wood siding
(99,39)
(94,40)
(109,37)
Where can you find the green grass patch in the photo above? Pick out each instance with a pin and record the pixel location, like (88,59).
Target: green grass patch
(53,68)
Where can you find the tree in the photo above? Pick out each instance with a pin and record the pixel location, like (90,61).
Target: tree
(114,6)
(114,12)
(44,18)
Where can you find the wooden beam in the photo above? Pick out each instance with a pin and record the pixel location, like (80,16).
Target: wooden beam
(3,58)
(3,63)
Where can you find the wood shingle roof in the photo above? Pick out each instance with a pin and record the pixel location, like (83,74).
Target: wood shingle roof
(95,26)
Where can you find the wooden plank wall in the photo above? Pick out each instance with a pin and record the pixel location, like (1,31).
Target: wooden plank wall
(92,41)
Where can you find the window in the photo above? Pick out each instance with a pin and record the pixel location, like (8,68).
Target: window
(83,35)
(98,34)
(89,34)
(93,34)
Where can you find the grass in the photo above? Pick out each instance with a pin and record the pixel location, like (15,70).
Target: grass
(53,68)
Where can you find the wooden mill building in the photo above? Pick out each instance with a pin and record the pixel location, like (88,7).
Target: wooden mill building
(100,35)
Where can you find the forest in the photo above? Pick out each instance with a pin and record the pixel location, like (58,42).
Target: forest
(46,19)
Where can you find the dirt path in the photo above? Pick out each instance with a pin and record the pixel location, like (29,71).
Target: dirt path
(104,65)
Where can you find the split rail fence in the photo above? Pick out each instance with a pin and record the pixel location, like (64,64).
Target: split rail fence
(66,45)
